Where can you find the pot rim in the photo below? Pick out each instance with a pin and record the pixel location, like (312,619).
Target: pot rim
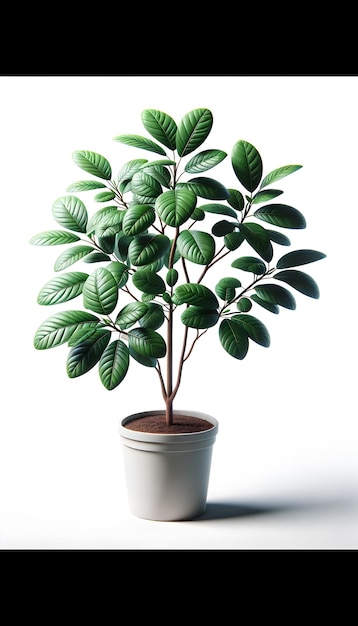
(136,435)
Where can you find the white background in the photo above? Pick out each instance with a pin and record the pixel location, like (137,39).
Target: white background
(285,469)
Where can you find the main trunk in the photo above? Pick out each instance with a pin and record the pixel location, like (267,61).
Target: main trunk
(169,395)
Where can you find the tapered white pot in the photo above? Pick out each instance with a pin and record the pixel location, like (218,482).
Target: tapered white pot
(167,474)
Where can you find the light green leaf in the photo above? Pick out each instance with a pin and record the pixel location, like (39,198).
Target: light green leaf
(299,257)
(62,288)
(58,328)
(84,356)
(85,185)
(247,164)
(93,163)
(114,364)
(104,196)
(137,141)
(71,213)
(104,218)
(53,238)
(161,126)
(192,130)
(148,282)
(204,161)
(96,257)
(300,281)
(174,207)
(120,272)
(129,169)
(86,331)
(279,173)
(205,188)
(100,293)
(265,196)
(137,219)
(196,246)
(71,256)
(146,186)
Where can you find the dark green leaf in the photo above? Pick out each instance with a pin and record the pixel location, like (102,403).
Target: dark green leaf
(172,277)
(114,364)
(299,257)
(199,317)
(255,329)
(119,271)
(161,126)
(194,293)
(62,288)
(147,361)
(236,199)
(96,257)
(244,305)
(174,207)
(300,281)
(147,248)
(247,165)
(93,163)
(279,173)
(71,213)
(277,237)
(275,294)
(281,215)
(250,264)
(147,342)
(204,161)
(222,228)
(137,219)
(192,130)
(205,188)
(53,238)
(258,239)
(225,288)
(84,332)
(196,246)
(234,240)
(85,355)
(105,218)
(58,328)
(140,142)
(220,209)
(100,293)
(148,282)
(154,317)
(265,196)
(269,306)
(233,338)
(130,314)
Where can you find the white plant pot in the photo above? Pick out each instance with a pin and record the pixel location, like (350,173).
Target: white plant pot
(167,474)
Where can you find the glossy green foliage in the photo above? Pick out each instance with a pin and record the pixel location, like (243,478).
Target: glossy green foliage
(144,257)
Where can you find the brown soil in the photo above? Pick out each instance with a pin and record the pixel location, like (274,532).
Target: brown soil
(182,424)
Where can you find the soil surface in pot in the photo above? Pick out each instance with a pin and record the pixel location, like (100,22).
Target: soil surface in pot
(182,424)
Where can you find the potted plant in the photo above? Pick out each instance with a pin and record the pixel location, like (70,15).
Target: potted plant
(161,227)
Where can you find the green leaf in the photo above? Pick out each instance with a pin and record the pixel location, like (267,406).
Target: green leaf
(281,215)
(105,218)
(71,256)
(58,328)
(279,173)
(137,219)
(104,196)
(247,164)
(205,188)
(255,329)
(244,305)
(86,331)
(100,293)
(194,293)
(62,288)
(93,163)
(265,196)
(236,199)
(71,213)
(147,361)
(269,306)
(85,185)
(258,239)
(277,237)
(129,169)
(130,314)
(225,288)
(299,257)
(96,257)
(174,207)
(199,317)
(137,141)
(250,264)
(147,342)
(196,246)
(53,238)
(146,186)
(300,281)
(192,130)
(275,294)
(219,209)
(172,277)
(161,126)
(161,174)
(120,272)
(234,338)
(205,161)
(114,364)
(154,317)
(234,240)
(148,282)
(222,228)
(106,242)
(84,356)
(147,248)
